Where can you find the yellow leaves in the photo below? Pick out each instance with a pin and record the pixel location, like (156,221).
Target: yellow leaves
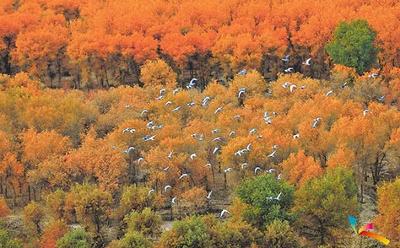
(388,206)
(98,158)
(11,166)
(23,79)
(4,209)
(252,82)
(193,200)
(40,146)
(341,157)
(156,73)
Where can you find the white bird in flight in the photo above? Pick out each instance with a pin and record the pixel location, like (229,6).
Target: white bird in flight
(228,170)
(192,83)
(150,124)
(373,75)
(183,175)
(130,149)
(316,122)
(307,62)
(215,150)
(248,147)
(209,195)
(173,201)
(329,93)
(145,111)
(205,101)
(289,70)
(286,85)
(242,91)
(257,169)
(242,72)
(278,198)
(129,129)
(150,191)
(272,154)
(217,139)
(292,88)
(149,138)
(286,58)
(167,187)
(193,156)
(219,109)
(176,109)
(223,212)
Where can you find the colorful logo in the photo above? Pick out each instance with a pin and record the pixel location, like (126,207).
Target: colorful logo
(365,230)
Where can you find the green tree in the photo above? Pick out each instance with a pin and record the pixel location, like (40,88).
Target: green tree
(132,239)
(76,238)
(33,216)
(7,241)
(323,204)
(91,204)
(279,234)
(146,222)
(190,232)
(353,45)
(133,198)
(267,199)
(235,234)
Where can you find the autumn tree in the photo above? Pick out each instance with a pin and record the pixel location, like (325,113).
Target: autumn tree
(33,216)
(323,204)
(146,222)
(6,240)
(157,73)
(55,203)
(4,209)
(133,198)
(388,207)
(52,232)
(91,205)
(299,168)
(280,234)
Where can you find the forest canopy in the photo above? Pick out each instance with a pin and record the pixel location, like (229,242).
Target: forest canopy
(172,124)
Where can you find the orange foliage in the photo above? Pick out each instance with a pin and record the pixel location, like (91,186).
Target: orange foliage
(299,168)
(54,231)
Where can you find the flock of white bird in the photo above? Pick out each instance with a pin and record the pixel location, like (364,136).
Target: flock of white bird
(198,136)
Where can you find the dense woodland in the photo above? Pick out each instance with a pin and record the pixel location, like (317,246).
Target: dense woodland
(177,124)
